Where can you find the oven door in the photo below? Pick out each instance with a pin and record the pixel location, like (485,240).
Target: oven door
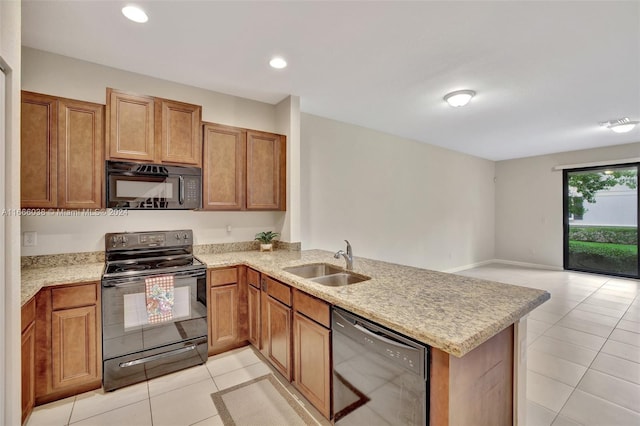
(136,345)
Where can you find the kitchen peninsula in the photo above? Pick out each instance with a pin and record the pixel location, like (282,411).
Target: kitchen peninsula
(473,326)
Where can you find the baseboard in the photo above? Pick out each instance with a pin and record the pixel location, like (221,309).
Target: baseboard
(504,262)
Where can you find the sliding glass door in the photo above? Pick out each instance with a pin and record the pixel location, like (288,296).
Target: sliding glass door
(601,220)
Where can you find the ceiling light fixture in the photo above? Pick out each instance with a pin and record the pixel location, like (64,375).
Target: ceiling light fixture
(135,14)
(278,63)
(621,125)
(459,97)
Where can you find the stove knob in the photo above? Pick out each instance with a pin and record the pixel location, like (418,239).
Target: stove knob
(177,236)
(185,236)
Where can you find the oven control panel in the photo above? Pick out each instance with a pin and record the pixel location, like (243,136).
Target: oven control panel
(141,240)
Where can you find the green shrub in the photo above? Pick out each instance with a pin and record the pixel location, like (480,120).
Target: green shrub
(617,258)
(604,234)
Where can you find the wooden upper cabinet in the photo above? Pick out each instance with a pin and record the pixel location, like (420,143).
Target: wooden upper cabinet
(243,169)
(180,139)
(223,167)
(148,129)
(80,154)
(62,152)
(130,123)
(39,151)
(266,171)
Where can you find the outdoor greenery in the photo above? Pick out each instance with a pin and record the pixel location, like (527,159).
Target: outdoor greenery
(587,184)
(604,234)
(617,258)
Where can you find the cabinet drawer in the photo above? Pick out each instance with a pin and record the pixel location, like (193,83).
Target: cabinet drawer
(28,314)
(312,308)
(278,291)
(223,276)
(74,296)
(253,277)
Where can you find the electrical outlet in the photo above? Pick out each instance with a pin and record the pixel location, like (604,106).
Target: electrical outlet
(30,239)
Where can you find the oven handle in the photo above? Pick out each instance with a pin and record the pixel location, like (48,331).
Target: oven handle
(133,281)
(158,356)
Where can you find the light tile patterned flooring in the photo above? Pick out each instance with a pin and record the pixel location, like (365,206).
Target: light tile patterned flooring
(583,353)
(583,364)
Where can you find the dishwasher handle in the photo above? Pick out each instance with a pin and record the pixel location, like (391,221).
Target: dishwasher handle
(380,336)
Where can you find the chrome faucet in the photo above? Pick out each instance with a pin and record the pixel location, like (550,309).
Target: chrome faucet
(348,256)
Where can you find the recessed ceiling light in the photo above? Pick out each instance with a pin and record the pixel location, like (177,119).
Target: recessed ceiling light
(278,62)
(459,97)
(135,14)
(621,125)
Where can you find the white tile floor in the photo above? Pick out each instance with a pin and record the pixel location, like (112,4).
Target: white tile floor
(583,354)
(583,364)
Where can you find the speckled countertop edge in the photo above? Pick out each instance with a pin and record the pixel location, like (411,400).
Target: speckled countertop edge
(450,312)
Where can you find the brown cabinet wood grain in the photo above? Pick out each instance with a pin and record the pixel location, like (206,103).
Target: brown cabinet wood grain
(254,316)
(130,126)
(180,140)
(223,317)
(148,129)
(227,305)
(80,154)
(276,323)
(266,171)
(223,168)
(28,353)
(312,362)
(74,345)
(39,150)
(62,152)
(243,169)
(68,343)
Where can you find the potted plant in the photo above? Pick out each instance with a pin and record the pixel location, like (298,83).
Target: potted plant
(266,238)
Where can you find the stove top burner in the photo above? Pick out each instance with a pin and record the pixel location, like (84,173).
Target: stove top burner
(174,262)
(132,267)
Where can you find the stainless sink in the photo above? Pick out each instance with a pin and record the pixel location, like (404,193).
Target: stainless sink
(337,280)
(314,270)
(326,274)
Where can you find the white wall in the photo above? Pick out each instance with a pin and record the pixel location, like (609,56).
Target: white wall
(395,199)
(10,37)
(529,203)
(57,75)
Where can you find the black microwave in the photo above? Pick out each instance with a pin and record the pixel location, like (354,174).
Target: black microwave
(153,186)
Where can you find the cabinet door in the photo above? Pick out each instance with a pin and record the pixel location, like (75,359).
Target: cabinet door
(131,129)
(180,140)
(312,376)
(74,347)
(266,171)
(80,154)
(277,344)
(254,316)
(38,150)
(223,168)
(223,314)
(28,370)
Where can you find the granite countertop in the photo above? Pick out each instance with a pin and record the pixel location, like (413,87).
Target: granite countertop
(450,312)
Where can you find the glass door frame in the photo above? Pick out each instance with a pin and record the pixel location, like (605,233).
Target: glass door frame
(565,217)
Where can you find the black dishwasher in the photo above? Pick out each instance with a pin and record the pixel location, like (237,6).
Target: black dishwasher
(379,377)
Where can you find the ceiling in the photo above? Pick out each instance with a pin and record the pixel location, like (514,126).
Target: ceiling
(545,73)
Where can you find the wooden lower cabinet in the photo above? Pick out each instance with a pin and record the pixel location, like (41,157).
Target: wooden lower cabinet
(276,344)
(223,310)
(254,316)
(227,306)
(68,343)
(312,362)
(28,355)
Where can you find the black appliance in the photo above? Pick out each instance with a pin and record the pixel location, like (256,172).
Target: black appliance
(379,376)
(153,186)
(154,307)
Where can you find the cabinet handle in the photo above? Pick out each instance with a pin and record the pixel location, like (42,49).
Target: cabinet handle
(264,285)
